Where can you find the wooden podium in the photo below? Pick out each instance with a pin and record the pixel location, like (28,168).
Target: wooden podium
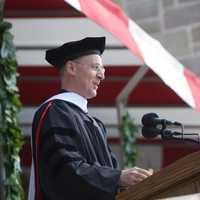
(180,178)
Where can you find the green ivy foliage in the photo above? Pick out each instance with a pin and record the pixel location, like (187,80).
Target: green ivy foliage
(10,134)
(128,131)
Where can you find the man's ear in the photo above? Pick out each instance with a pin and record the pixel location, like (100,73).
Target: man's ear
(70,68)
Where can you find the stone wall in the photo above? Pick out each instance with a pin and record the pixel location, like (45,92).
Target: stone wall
(175,23)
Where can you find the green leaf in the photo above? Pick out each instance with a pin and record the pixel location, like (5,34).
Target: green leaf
(4,26)
(7,48)
(11,138)
(128,130)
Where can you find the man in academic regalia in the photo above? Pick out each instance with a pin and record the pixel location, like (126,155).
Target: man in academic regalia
(71,157)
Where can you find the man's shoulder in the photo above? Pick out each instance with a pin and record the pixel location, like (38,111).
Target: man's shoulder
(53,107)
(59,105)
(56,113)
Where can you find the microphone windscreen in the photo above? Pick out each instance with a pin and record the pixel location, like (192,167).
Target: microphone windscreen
(148,119)
(149,132)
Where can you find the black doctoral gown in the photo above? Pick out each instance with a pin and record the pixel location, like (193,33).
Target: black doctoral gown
(72,159)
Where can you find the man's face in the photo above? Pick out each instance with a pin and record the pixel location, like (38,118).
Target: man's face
(89,75)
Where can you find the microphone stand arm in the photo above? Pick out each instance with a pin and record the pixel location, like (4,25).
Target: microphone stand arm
(173,136)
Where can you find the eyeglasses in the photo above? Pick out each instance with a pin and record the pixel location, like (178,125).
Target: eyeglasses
(95,67)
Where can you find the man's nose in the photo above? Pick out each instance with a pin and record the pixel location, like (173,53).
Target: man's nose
(101,74)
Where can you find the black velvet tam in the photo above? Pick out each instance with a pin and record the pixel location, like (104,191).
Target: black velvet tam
(72,50)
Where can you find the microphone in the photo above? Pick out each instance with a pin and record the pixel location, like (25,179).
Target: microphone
(150,132)
(152,120)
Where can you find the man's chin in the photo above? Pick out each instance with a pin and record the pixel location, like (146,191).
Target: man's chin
(92,95)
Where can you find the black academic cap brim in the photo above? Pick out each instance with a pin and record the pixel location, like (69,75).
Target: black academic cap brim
(72,50)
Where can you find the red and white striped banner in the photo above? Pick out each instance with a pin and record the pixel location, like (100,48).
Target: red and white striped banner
(148,50)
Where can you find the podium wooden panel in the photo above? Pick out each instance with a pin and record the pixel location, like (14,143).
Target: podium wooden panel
(180,178)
